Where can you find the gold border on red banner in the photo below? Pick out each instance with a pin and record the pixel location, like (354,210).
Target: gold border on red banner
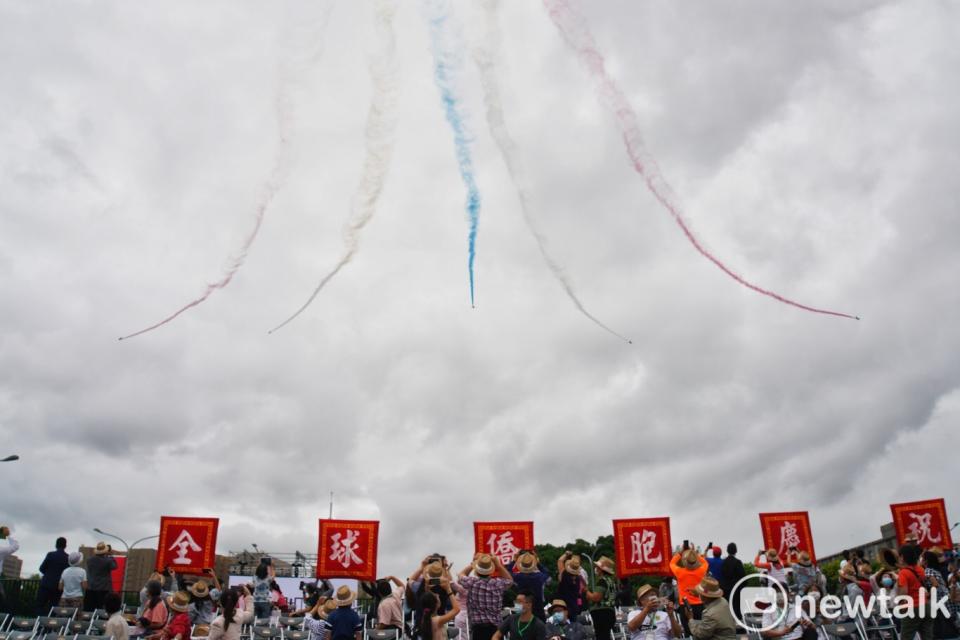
(480,529)
(622,553)
(769,538)
(938,505)
(367,571)
(209,546)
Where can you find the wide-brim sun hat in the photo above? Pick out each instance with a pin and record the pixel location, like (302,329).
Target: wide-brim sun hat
(804,558)
(179,602)
(606,565)
(345,596)
(572,566)
(691,559)
(102,548)
(558,603)
(527,563)
(200,589)
(434,570)
(772,555)
(709,588)
(484,565)
(643,591)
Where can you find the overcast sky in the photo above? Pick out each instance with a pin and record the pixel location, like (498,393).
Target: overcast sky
(815,147)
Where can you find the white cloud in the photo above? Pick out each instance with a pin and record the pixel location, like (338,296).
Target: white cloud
(815,150)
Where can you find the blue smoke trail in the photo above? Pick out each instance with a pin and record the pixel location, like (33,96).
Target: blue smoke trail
(447,62)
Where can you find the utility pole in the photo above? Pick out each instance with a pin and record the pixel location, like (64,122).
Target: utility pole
(331,505)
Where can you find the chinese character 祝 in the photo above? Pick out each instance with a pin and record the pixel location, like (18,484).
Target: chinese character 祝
(642,548)
(502,546)
(344,551)
(921,528)
(788,536)
(183,543)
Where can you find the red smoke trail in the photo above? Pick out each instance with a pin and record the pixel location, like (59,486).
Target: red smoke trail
(574,30)
(269,191)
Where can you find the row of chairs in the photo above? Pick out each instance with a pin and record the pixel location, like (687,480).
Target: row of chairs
(52,626)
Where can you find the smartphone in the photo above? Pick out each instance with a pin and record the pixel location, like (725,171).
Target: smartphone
(434,582)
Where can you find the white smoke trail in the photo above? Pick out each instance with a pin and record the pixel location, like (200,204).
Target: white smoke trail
(487,56)
(379,135)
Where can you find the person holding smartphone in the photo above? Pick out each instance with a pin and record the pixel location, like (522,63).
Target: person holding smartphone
(790,627)
(648,621)
(264,575)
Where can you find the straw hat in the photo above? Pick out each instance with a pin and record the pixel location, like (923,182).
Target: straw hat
(772,555)
(527,562)
(329,606)
(180,601)
(200,589)
(434,570)
(484,565)
(572,566)
(804,558)
(606,565)
(558,603)
(691,559)
(643,591)
(102,548)
(344,596)
(709,588)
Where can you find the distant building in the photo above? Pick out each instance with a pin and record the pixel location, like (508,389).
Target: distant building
(12,566)
(142,564)
(869,550)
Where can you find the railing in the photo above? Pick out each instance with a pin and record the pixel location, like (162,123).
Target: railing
(21,597)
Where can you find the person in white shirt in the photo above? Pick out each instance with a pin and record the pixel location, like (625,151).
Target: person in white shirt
(649,622)
(8,547)
(116,626)
(788,628)
(73,582)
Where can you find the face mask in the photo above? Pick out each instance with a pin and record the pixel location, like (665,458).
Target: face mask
(888,582)
(518,608)
(558,618)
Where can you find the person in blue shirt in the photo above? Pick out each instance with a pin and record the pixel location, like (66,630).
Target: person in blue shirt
(528,573)
(715,563)
(343,623)
(48,594)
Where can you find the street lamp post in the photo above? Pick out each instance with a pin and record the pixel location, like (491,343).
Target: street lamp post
(126,563)
(10,458)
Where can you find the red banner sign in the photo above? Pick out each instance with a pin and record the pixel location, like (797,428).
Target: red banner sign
(187,545)
(788,533)
(642,546)
(502,539)
(925,520)
(348,549)
(116,576)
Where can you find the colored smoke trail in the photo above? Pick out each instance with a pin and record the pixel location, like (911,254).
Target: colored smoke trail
(379,134)
(273,184)
(447,61)
(486,59)
(270,189)
(574,29)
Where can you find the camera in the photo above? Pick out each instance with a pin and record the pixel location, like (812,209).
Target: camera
(434,582)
